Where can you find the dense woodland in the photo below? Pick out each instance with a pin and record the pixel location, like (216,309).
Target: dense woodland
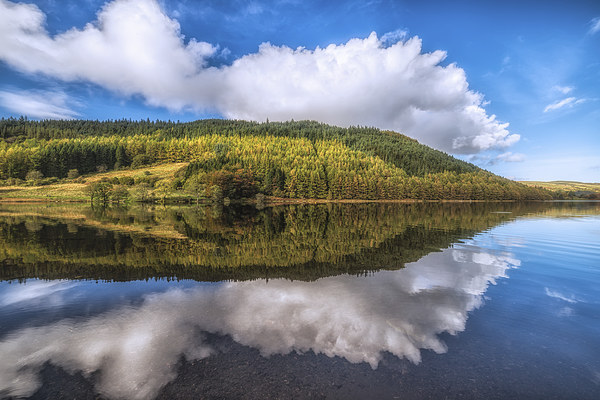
(237,159)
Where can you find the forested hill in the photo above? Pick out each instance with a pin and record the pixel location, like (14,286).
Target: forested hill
(402,151)
(290,159)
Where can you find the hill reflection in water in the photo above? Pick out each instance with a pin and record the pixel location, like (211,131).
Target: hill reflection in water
(296,242)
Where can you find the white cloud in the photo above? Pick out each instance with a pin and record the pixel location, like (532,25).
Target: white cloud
(568,102)
(563,89)
(135,49)
(131,48)
(559,104)
(136,349)
(594,26)
(510,157)
(38,104)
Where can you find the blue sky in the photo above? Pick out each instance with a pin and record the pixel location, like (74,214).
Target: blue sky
(451,74)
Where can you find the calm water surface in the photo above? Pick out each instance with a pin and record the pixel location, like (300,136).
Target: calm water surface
(331,301)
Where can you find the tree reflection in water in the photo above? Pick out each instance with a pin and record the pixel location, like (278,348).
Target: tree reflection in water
(296,242)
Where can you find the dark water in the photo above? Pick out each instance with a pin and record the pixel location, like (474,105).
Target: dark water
(331,301)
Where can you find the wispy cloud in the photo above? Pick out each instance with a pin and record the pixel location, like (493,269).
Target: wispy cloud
(594,26)
(506,64)
(38,104)
(394,37)
(568,102)
(510,157)
(487,160)
(563,89)
(135,48)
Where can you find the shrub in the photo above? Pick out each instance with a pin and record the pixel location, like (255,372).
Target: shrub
(140,160)
(119,194)
(216,194)
(34,175)
(100,191)
(49,181)
(127,180)
(142,193)
(235,185)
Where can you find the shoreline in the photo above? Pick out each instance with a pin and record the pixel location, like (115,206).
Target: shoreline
(274,201)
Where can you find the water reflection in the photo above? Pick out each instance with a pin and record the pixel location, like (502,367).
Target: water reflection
(129,338)
(133,350)
(35,294)
(296,242)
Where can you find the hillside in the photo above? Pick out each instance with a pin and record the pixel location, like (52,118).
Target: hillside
(569,188)
(237,159)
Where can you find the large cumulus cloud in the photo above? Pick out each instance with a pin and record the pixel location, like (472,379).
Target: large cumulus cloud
(135,48)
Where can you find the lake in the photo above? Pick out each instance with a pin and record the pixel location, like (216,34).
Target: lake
(411,301)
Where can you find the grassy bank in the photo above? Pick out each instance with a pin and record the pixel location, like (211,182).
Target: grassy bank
(565,185)
(75,190)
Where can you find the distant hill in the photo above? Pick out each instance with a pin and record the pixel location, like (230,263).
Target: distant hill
(569,188)
(304,159)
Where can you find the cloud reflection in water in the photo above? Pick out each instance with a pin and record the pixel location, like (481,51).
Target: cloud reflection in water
(40,293)
(135,349)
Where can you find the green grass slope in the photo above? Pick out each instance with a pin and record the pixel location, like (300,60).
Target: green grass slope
(569,189)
